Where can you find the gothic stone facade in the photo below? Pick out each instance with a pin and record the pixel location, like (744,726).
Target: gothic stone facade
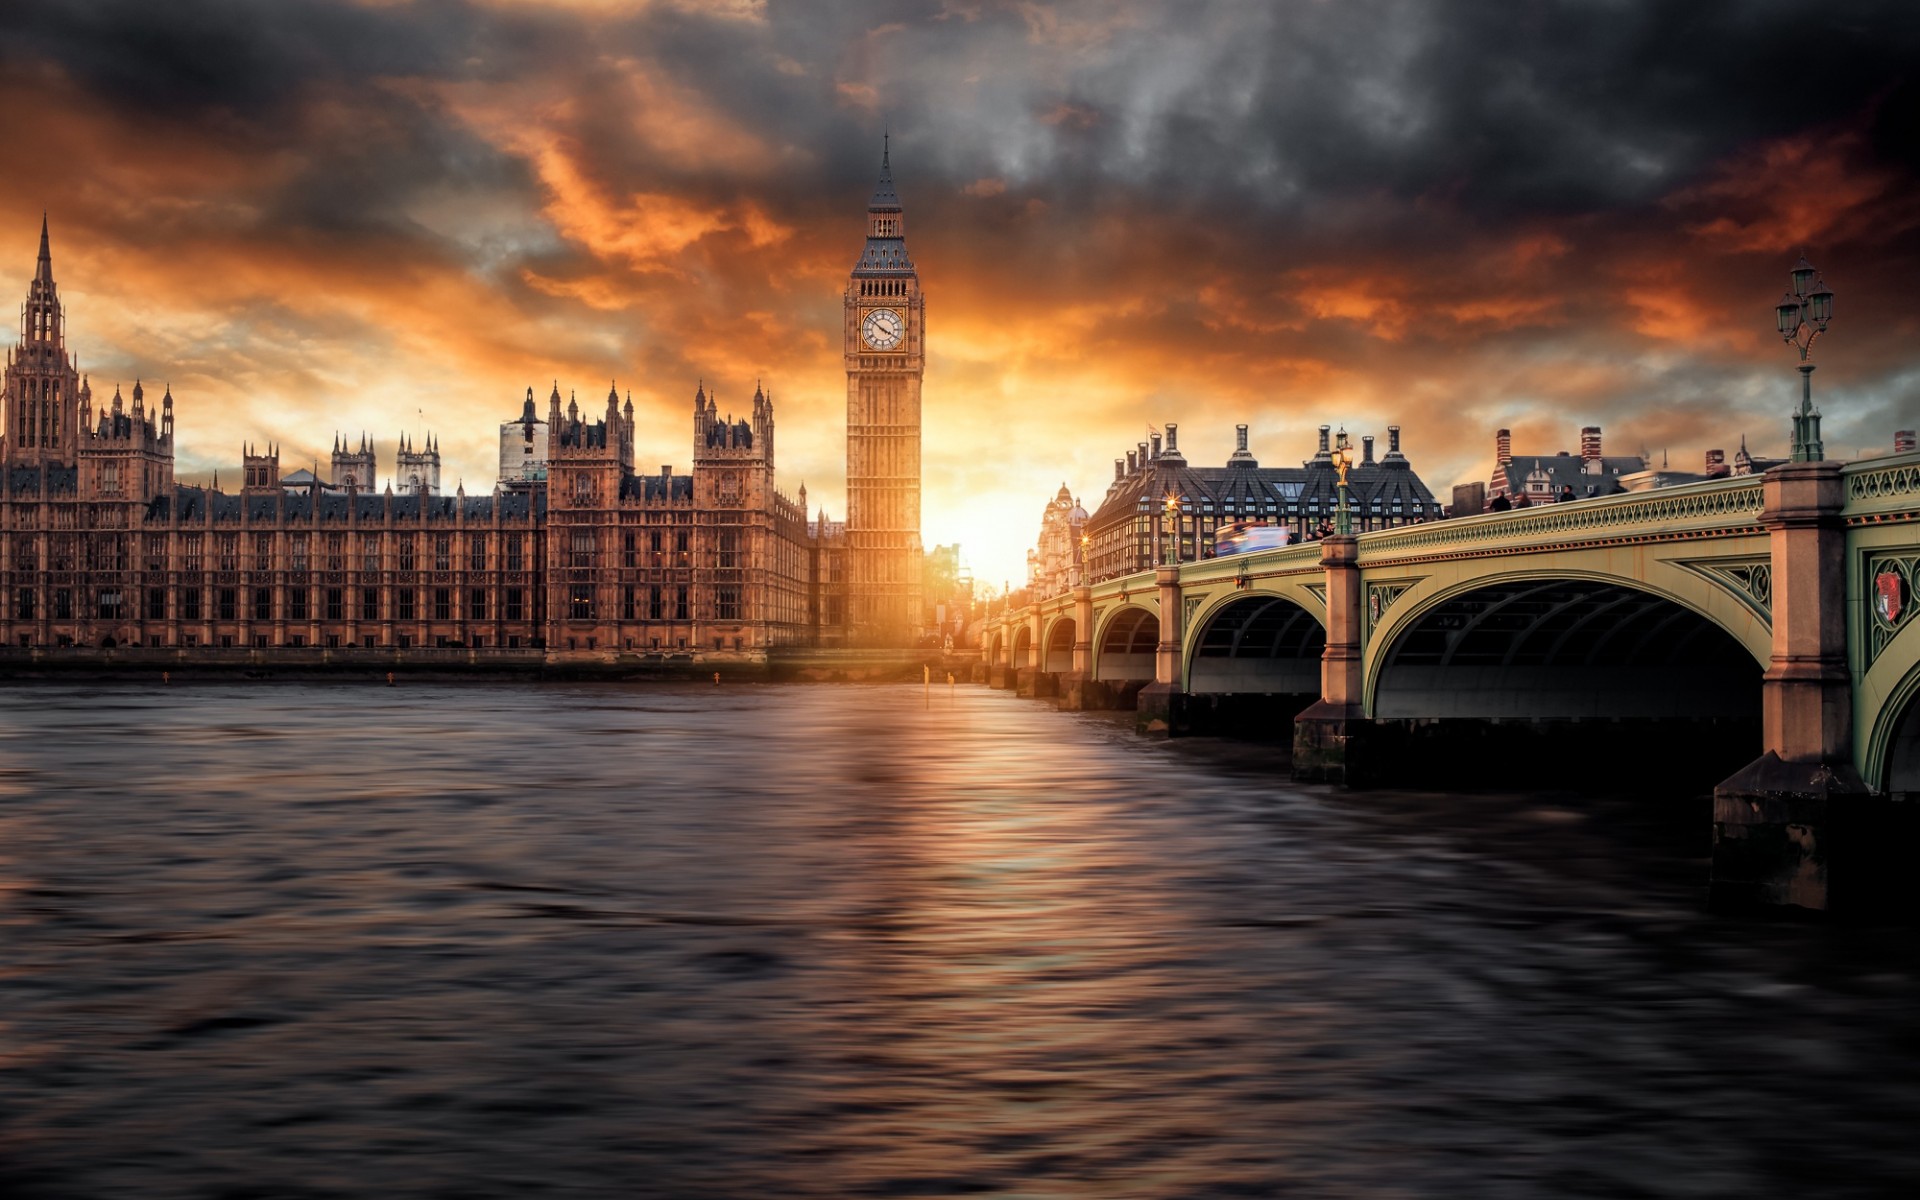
(884,336)
(99,546)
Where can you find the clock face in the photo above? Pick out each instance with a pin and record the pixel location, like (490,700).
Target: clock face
(882,329)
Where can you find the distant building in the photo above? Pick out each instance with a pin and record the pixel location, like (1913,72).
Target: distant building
(1745,463)
(1468,499)
(1055,563)
(1130,531)
(949,592)
(1539,478)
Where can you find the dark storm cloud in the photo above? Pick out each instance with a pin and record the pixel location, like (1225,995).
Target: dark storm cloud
(1482,110)
(1453,215)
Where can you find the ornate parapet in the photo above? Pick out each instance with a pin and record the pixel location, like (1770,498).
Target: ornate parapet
(1715,508)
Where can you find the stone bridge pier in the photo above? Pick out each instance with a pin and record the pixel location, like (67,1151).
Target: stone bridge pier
(1781,823)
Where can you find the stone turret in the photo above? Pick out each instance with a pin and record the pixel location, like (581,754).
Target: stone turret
(354,467)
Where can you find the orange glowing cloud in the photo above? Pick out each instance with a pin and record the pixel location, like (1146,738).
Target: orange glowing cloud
(1121,216)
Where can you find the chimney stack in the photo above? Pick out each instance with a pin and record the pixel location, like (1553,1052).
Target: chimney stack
(1590,443)
(1393,441)
(1155,439)
(1119,469)
(1173,440)
(1325,448)
(1133,461)
(1503,446)
(1903,442)
(1143,454)
(1366,450)
(1716,463)
(1241,456)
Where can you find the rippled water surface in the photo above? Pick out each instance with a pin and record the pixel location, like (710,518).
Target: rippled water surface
(513,940)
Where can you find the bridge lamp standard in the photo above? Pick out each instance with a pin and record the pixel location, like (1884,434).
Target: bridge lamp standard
(1171,528)
(1802,315)
(1342,461)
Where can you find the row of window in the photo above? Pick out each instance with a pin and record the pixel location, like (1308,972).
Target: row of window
(638,602)
(333,553)
(102,554)
(111,604)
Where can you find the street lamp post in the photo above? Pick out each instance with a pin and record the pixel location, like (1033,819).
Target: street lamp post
(1342,460)
(1802,315)
(1172,526)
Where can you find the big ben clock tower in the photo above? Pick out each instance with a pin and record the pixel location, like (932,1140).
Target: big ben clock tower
(885,339)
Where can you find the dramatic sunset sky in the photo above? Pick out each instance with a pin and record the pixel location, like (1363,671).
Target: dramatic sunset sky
(320,215)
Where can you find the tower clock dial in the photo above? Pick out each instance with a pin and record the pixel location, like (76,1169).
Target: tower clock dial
(882,329)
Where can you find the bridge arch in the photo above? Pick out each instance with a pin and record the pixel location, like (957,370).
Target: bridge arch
(1887,714)
(996,650)
(1125,648)
(1057,659)
(1258,642)
(1022,648)
(1562,645)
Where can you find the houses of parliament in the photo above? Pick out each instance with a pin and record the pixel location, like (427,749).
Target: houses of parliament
(573,554)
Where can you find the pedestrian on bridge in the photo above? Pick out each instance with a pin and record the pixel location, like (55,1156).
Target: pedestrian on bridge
(1499,503)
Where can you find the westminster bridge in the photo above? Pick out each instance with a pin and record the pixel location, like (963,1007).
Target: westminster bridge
(1765,620)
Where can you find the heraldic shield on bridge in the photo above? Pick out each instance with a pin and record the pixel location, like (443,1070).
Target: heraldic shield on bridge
(1757,620)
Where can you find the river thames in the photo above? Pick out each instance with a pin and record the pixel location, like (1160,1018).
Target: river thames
(493,940)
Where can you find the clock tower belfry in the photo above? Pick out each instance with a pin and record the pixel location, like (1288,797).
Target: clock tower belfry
(885,340)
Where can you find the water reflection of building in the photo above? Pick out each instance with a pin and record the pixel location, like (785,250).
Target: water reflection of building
(1133,528)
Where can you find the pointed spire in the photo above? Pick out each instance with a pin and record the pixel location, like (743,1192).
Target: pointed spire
(885,199)
(43,271)
(700,395)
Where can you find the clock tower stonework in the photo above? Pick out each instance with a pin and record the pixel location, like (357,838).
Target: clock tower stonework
(885,340)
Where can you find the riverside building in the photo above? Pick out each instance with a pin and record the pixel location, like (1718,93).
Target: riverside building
(575,552)
(1135,529)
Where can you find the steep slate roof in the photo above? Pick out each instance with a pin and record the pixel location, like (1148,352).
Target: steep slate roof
(1564,469)
(1385,488)
(657,487)
(884,255)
